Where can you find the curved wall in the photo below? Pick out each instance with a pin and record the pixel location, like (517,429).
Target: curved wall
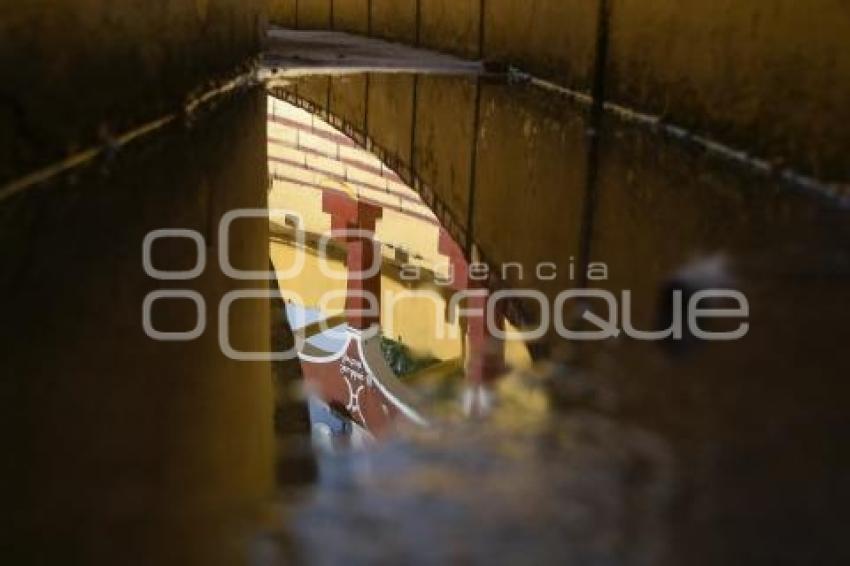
(767,76)
(732,412)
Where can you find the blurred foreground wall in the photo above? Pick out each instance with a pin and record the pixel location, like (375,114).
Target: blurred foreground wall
(119,449)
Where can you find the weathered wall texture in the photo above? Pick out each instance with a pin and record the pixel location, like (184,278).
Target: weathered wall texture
(745,420)
(348,99)
(395,20)
(76,72)
(315,14)
(352,16)
(148,448)
(451,25)
(529,145)
(551,38)
(751,418)
(283,13)
(316,89)
(391,113)
(771,77)
(444,140)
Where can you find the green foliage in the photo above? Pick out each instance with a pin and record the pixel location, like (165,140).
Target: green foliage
(401,360)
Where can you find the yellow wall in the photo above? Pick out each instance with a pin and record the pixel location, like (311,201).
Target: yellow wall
(417,320)
(443,139)
(766,76)
(391,113)
(530,175)
(348,96)
(316,89)
(282,12)
(394,20)
(311,285)
(555,38)
(314,14)
(769,76)
(72,70)
(451,25)
(413,320)
(352,16)
(164,441)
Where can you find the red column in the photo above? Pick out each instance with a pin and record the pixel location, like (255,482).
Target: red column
(486,355)
(487,352)
(460,268)
(350,214)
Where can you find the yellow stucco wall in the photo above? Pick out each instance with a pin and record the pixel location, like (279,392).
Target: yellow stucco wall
(554,38)
(414,319)
(770,76)
(352,16)
(451,25)
(164,441)
(417,320)
(72,70)
(314,14)
(315,89)
(394,20)
(444,139)
(530,174)
(661,206)
(414,314)
(282,12)
(766,76)
(348,99)
(391,113)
